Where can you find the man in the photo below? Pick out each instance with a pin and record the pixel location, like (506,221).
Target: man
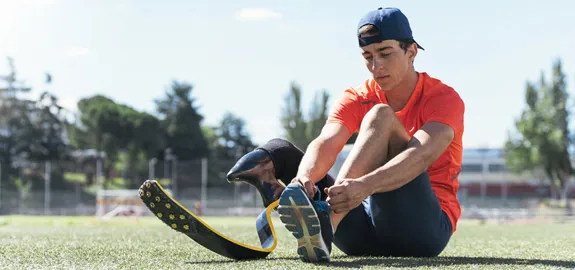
(395,195)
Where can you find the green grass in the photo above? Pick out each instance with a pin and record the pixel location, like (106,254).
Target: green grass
(89,243)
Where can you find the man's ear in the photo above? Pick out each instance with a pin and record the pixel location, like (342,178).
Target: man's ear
(412,52)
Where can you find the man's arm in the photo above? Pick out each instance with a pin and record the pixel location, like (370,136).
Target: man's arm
(322,152)
(422,150)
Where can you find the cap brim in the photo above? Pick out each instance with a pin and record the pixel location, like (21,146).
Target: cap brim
(419,46)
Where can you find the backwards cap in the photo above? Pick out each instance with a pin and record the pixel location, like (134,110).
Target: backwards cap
(391,23)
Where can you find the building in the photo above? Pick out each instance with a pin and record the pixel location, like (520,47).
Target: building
(484,175)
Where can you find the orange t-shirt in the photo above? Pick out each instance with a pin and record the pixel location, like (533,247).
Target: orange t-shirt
(432,101)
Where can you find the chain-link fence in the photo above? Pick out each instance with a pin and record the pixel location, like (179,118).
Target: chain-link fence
(78,188)
(88,188)
(56,187)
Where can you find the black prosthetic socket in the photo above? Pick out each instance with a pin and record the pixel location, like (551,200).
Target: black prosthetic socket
(286,158)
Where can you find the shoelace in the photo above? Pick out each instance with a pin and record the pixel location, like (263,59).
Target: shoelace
(324,210)
(322,206)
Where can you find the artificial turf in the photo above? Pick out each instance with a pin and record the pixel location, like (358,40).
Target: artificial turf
(42,242)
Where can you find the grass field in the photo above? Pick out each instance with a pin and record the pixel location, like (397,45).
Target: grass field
(89,243)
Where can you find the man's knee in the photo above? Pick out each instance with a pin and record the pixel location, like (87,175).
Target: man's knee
(379,112)
(380,116)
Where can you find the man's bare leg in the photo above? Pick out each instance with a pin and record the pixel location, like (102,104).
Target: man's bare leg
(381,137)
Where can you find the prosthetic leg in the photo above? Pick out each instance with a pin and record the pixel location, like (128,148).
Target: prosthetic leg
(268,168)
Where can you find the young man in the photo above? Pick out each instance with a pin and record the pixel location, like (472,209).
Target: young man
(395,194)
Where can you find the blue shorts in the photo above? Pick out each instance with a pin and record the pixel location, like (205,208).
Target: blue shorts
(406,222)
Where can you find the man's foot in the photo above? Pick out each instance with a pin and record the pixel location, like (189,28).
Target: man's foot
(308,221)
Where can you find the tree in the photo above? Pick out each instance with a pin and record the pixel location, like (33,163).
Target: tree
(182,122)
(292,118)
(318,115)
(99,126)
(147,139)
(49,121)
(31,129)
(543,140)
(118,129)
(14,121)
(301,130)
(232,140)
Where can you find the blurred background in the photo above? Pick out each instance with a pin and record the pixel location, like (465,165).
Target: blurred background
(98,96)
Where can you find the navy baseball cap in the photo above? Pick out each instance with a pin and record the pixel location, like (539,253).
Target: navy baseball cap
(390,22)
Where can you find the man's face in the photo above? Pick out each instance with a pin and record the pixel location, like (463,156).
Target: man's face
(388,62)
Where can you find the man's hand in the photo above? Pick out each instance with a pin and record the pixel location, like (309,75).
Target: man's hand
(307,184)
(320,156)
(346,194)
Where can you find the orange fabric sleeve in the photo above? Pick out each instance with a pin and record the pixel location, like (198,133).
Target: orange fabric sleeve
(447,108)
(346,111)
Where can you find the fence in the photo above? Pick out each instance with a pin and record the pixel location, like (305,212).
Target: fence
(72,188)
(237,199)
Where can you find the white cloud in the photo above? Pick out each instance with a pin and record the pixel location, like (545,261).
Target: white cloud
(77,51)
(257,14)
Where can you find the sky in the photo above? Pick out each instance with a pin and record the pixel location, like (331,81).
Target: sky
(241,56)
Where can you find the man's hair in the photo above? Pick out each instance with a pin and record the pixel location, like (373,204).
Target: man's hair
(370,30)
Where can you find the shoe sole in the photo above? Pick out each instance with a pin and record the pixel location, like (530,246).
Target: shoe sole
(300,218)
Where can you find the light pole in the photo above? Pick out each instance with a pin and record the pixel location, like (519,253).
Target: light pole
(47,180)
(169,156)
(152,168)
